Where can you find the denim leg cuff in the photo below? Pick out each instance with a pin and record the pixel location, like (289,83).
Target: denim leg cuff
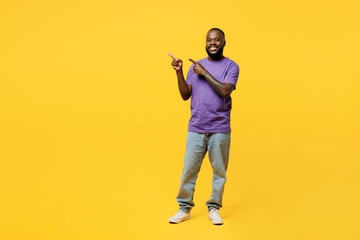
(185,210)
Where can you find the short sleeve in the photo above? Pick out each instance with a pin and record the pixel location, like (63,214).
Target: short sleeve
(232,74)
(190,76)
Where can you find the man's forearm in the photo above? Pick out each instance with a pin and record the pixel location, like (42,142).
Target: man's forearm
(220,88)
(183,87)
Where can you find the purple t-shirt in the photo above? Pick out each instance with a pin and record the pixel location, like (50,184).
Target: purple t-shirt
(210,113)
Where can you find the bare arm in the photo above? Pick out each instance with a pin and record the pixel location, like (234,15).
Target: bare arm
(184,89)
(223,89)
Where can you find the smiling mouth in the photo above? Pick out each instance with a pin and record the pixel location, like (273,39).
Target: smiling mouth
(213,49)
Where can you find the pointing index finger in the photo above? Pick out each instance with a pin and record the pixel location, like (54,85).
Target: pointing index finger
(192,61)
(172,56)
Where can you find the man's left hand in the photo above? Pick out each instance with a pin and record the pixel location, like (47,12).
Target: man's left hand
(198,68)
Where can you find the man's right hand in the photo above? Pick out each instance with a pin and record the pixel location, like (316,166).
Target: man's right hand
(176,63)
(185,89)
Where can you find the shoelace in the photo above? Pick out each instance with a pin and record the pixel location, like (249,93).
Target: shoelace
(214,210)
(215,214)
(180,214)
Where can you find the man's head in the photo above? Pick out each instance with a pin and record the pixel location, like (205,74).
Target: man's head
(215,43)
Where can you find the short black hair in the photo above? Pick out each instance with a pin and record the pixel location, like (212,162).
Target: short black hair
(218,29)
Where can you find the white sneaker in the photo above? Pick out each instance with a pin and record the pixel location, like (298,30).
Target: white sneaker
(179,217)
(214,217)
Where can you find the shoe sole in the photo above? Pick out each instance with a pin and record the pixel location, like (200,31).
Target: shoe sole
(182,220)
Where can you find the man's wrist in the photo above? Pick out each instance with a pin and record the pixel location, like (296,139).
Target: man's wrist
(205,74)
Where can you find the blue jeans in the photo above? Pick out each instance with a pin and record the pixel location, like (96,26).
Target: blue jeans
(197,144)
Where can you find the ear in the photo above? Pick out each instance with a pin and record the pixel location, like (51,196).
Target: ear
(224,43)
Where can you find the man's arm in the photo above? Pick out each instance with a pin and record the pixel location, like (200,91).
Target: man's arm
(222,89)
(184,89)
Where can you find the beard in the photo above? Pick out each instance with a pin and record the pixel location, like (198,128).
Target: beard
(216,56)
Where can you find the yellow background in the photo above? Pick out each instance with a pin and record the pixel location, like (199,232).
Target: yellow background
(93,129)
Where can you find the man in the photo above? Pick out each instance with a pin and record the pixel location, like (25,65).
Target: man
(209,83)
